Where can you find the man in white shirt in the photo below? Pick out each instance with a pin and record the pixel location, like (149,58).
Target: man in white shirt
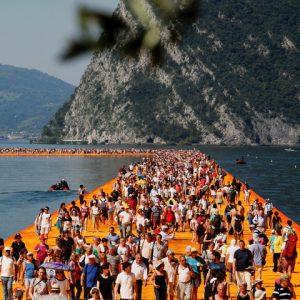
(7,271)
(45,222)
(139,269)
(126,219)
(146,248)
(127,283)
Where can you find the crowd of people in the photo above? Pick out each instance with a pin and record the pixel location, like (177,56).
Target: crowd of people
(72,151)
(151,203)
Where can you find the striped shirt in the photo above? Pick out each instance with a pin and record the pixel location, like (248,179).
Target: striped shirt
(282,293)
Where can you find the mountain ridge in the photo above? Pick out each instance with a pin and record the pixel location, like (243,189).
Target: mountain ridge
(233,79)
(29,98)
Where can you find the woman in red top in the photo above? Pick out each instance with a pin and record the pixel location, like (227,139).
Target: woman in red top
(42,251)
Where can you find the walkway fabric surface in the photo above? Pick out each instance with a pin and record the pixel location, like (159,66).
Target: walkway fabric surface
(182,239)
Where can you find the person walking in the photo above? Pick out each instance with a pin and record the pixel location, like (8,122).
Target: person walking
(139,269)
(259,254)
(126,282)
(90,275)
(159,279)
(242,264)
(185,274)
(7,271)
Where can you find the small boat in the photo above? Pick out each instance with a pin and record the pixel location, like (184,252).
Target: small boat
(290,150)
(240,161)
(60,186)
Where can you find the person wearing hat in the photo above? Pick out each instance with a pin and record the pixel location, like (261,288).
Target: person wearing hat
(284,290)
(268,211)
(29,268)
(55,289)
(197,263)
(160,281)
(7,271)
(90,275)
(95,293)
(258,291)
(166,236)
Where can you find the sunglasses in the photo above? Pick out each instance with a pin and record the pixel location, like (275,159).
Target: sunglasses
(95,292)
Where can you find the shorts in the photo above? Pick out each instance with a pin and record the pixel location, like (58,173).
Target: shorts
(45,230)
(28,282)
(196,281)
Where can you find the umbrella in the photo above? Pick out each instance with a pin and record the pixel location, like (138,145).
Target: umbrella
(57,266)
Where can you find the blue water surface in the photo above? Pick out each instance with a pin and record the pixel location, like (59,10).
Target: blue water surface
(271,171)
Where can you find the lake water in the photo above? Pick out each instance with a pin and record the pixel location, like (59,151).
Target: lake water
(271,171)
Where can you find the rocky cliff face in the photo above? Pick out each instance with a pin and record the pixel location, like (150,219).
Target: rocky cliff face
(233,79)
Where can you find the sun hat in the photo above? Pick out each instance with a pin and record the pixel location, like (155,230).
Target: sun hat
(93,290)
(55,287)
(194,250)
(157,263)
(170,252)
(7,248)
(92,256)
(256,281)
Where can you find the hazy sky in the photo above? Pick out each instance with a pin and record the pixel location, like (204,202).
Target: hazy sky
(33,33)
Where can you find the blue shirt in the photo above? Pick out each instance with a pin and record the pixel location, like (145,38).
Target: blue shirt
(91,274)
(194,263)
(29,270)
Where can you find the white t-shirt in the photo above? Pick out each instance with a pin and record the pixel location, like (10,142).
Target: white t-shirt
(230,252)
(146,249)
(183,274)
(63,285)
(45,220)
(169,268)
(125,217)
(95,210)
(7,266)
(126,282)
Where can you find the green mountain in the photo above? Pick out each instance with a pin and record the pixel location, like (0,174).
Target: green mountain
(29,98)
(233,78)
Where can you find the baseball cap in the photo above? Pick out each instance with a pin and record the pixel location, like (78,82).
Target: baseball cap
(92,256)
(7,248)
(194,250)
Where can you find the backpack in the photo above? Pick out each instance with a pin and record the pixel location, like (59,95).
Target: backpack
(216,221)
(290,249)
(210,289)
(200,230)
